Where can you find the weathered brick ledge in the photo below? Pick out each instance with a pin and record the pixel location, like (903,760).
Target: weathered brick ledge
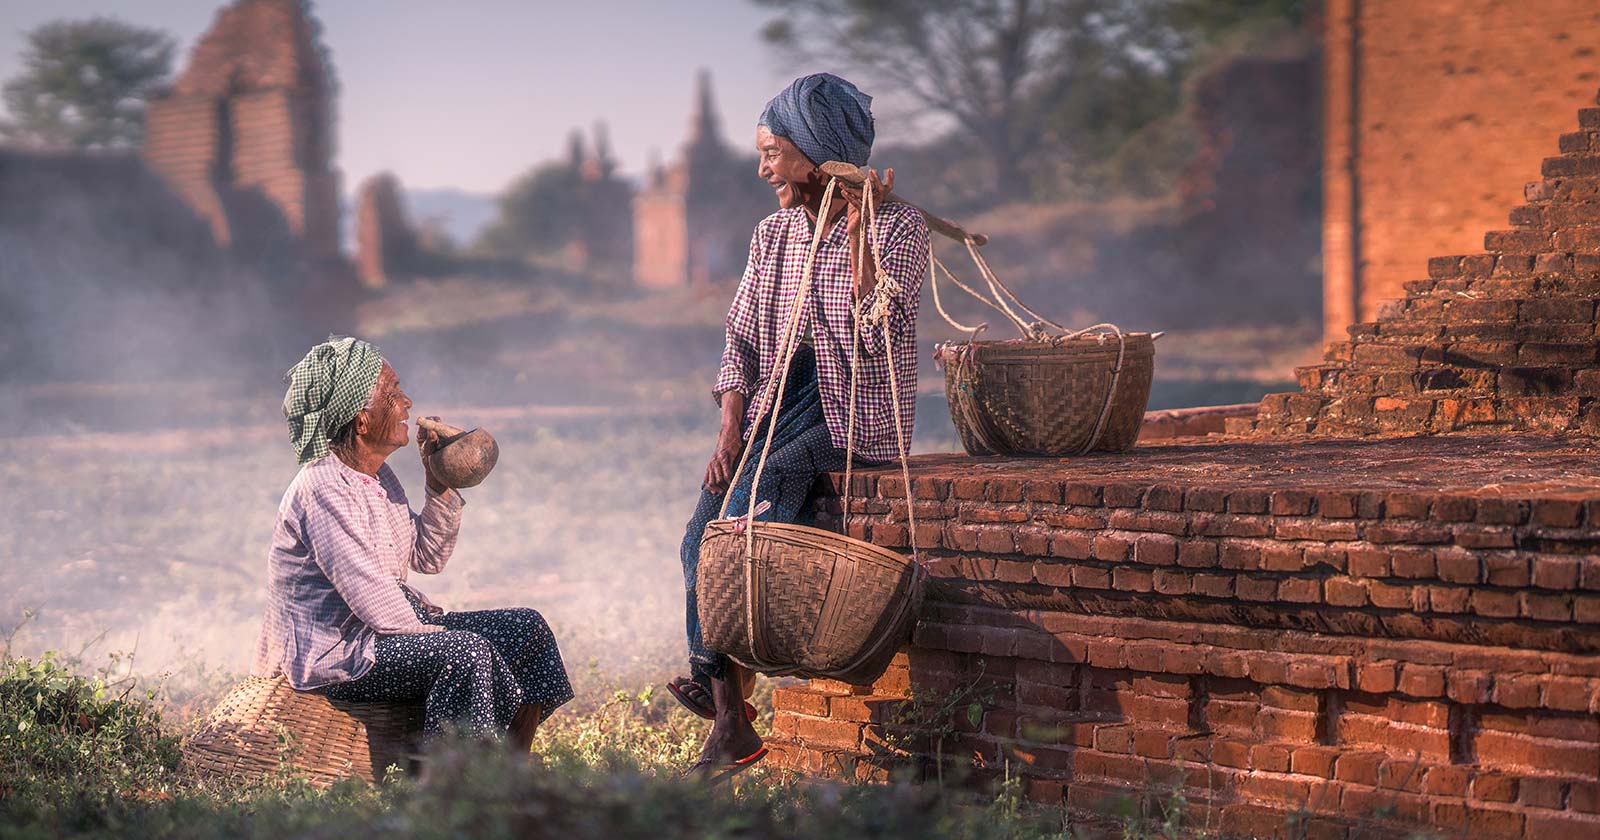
(1406,626)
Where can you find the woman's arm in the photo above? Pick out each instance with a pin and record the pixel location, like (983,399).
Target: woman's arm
(740,363)
(436,528)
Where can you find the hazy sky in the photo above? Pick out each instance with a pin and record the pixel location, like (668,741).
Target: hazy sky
(471,92)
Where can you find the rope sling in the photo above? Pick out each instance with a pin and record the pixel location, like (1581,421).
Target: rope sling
(972,411)
(872,311)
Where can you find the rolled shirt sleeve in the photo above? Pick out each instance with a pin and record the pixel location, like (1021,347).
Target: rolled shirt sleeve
(436,527)
(348,551)
(905,258)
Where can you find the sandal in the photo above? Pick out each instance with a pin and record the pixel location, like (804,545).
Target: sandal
(700,705)
(703,769)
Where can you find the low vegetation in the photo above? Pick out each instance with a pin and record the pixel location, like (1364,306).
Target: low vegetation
(93,756)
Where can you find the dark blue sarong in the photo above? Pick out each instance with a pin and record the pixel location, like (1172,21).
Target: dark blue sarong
(802,449)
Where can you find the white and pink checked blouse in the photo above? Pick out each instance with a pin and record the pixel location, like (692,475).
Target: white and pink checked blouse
(762,304)
(341,550)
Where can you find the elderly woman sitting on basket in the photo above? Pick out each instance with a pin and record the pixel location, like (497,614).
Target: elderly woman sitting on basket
(341,619)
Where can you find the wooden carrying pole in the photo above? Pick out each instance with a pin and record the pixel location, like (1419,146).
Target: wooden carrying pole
(853,175)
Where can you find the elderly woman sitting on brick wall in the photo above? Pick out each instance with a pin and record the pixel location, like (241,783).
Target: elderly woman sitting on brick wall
(341,619)
(818,118)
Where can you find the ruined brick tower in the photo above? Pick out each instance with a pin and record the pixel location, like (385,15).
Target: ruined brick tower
(245,136)
(1432,114)
(693,219)
(1505,339)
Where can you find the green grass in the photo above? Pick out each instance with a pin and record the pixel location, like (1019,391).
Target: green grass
(92,757)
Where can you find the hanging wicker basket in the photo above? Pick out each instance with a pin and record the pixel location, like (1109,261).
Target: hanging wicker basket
(808,602)
(1052,398)
(263,724)
(788,599)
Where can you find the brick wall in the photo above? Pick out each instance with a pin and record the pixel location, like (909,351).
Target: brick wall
(1507,338)
(1434,116)
(1385,636)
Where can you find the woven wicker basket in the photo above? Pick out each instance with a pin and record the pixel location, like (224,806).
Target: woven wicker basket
(263,724)
(824,605)
(1040,398)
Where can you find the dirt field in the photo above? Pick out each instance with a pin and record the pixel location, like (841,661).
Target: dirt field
(142,510)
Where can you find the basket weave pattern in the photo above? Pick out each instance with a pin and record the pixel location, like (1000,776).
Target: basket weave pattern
(263,723)
(825,605)
(1035,398)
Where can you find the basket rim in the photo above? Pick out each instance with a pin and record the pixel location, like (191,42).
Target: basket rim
(831,536)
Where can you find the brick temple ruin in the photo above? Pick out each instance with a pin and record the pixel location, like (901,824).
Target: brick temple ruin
(245,135)
(1430,121)
(1372,608)
(692,219)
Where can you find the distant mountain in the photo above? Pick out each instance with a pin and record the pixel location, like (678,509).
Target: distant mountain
(461,214)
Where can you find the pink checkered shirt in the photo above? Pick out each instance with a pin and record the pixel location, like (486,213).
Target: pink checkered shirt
(766,296)
(341,550)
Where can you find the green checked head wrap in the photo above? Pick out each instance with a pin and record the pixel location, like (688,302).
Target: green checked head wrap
(326,390)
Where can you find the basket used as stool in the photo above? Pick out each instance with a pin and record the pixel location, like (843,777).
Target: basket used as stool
(824,604)
(264,724)
(1025,397)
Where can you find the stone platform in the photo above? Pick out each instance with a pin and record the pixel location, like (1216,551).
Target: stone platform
(1379,634)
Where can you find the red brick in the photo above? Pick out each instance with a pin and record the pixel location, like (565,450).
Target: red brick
(1358,768)
(1459,566)
(1113,738)
(1545,755)
(1248,588)
(1446,781)
(1234,554)
(967,487)
(1110,547)
(1209,499)
(1076,545)
(1248,501)
(1389,596)
(1368,561)
(1131,579)
(1291,503)
(1011,571)
(1042,491)
(1470,687)
(833,733)
(800,701)
(1293,726)
(1152,743)
(1510,570)
(1300,590)
(1569,694)
(1196,554)
(1345,592)
(1086,495)
(1421,680)
(1584,797)
(996,541)
(1517,691)
(1495,604)
(1123,494)
(1172,582)
(1378,677)
(1271,758)
(1554,572)
(1155,549)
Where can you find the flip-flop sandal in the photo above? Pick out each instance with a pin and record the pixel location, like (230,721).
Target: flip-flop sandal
(725,771)
(699,708)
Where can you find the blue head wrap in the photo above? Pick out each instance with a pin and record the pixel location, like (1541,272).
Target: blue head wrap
(825,116)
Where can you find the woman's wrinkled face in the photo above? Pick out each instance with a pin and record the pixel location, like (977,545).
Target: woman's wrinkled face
(794,178)
(387,413)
